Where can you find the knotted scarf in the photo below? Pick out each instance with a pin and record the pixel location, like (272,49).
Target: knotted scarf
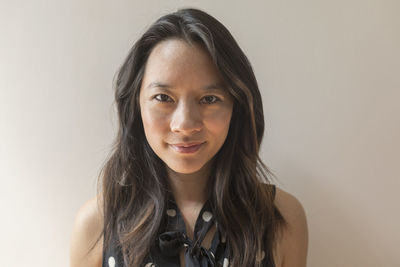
(170,244)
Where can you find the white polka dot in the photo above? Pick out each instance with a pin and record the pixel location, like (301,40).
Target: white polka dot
(260,255)
(171,212)
(111,261)
(149,264)
(223,238)
(226,262)
(207,216)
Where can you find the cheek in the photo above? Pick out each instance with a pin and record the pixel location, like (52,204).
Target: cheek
(154,121)
(218,122)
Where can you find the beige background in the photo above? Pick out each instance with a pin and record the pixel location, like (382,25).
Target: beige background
(329,75)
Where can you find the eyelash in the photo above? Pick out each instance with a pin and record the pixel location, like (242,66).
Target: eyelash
(216,98)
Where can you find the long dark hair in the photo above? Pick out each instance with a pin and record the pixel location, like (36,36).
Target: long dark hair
(134,179)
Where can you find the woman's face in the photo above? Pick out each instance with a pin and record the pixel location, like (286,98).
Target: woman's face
(182,101)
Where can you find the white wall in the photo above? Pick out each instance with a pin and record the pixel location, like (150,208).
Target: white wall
(329,75)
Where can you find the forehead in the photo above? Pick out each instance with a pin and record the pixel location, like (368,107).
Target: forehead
(178,63)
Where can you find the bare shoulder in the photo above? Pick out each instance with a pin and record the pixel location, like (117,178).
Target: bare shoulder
(293,244)
(87,227)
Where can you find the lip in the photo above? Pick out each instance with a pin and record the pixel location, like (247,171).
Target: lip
(187,147)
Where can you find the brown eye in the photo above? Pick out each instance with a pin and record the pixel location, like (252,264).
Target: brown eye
(162,98)
(211,99)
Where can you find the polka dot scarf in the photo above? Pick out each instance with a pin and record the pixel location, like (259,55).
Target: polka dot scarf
(175,238)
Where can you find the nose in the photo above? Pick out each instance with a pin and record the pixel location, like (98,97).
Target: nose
(187,118)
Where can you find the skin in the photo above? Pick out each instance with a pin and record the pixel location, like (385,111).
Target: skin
(185,112)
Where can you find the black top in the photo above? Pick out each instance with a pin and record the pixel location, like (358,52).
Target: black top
(166,252)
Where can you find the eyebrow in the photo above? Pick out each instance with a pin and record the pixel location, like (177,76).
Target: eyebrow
(210,87)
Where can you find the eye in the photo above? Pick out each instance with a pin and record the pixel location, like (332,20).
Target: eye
(211,99)
(162,98)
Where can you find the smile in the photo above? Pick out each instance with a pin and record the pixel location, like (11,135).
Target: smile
(187,149)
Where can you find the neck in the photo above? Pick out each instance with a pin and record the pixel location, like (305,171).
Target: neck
(190,189)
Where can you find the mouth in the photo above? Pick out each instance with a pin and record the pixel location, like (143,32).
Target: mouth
(187,148)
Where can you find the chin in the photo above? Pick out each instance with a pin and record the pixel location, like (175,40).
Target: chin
(185,171)
(182,170)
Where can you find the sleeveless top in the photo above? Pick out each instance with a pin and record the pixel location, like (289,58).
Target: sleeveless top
(166,252)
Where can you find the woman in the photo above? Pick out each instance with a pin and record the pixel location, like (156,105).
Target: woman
(184,185)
